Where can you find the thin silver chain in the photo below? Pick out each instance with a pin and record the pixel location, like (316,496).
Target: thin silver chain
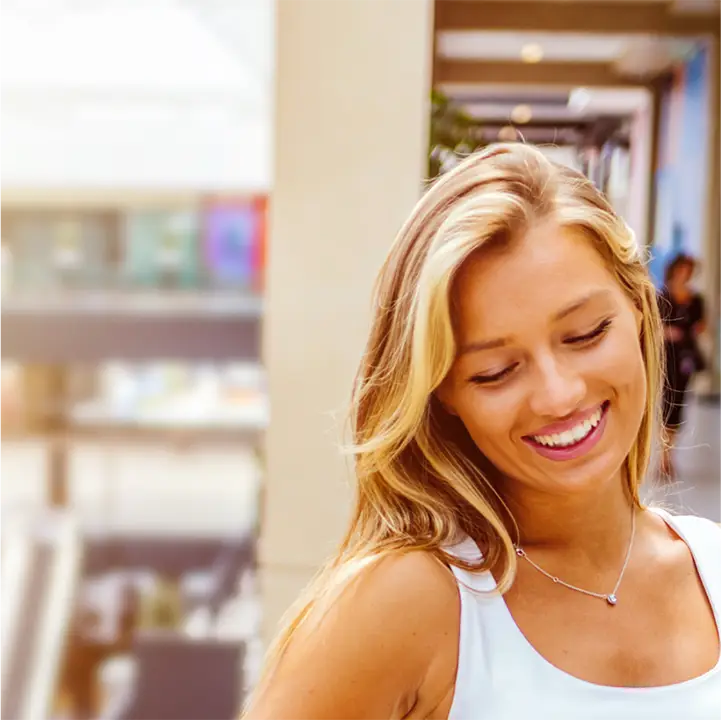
(611,598)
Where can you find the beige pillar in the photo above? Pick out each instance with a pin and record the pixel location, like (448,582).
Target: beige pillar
(642,179)
(351,114)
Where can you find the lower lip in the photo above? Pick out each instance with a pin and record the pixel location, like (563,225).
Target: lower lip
(573,451)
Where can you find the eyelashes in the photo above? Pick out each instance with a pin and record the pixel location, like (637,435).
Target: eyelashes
(578,341)
(496,377)
(595,334)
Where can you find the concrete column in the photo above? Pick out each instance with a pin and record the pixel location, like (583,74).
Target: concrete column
(642,178)
(351,114)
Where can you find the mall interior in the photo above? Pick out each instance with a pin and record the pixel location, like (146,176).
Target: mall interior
(196,196)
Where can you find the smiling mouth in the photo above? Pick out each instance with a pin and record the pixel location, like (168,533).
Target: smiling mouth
(573,437)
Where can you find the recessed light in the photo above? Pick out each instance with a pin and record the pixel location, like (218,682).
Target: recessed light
(579,99)
(508,134)
(531,53)
(521,114)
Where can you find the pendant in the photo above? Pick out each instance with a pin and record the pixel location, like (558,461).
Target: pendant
(611,599)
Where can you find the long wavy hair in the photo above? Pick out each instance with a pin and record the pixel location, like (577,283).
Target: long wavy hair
(421,481)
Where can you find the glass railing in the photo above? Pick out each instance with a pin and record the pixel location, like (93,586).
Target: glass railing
(42,568)
(17,561)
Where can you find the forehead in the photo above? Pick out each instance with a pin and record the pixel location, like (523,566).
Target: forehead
(685,266)
(535,277)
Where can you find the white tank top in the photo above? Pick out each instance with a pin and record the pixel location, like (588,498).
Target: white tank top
(502,677)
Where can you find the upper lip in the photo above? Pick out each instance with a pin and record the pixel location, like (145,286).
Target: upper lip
(556,428)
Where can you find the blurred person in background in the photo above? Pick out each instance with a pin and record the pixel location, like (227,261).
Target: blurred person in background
(500,563)
(684,319)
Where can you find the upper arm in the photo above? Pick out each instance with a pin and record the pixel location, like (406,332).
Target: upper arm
(370,653)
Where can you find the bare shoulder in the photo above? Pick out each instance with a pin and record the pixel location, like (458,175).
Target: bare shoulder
(416,583)
(373,652)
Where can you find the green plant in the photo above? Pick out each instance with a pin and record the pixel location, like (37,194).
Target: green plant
(453,132)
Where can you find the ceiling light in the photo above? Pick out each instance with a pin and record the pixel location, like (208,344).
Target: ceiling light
(579,99)
(531,53)
(521,114)
(508,134)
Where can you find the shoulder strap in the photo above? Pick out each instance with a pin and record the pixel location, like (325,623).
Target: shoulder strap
(699,531)
(467,551)
(703,537)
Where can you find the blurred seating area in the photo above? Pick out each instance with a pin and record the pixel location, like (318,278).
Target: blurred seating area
(165,542)
(175,555)
(153,616)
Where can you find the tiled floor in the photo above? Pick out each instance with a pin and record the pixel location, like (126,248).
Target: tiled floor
(697,489)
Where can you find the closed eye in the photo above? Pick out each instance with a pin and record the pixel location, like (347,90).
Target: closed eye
(495,377)
(595,334)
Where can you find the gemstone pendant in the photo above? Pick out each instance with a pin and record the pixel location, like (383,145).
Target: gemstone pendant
(611,599)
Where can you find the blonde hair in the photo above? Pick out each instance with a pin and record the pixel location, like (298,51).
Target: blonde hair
(421,481)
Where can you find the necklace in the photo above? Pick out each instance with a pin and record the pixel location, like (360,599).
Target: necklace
(611,598)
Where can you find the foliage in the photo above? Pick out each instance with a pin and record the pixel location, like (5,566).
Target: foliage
(453,132)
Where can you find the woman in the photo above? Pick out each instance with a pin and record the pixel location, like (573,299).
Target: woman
(499,562)
(683,316)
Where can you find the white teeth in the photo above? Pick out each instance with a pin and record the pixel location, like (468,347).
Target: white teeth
(572,436)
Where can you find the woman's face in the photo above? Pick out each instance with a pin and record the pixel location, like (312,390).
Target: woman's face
(682,275)
(549,378)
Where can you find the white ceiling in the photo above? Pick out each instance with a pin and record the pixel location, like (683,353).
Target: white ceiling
(632,55)
(600,102)
(508,45)
(624,101)
(494,104)
(563,47)
(135,93)
(157,46)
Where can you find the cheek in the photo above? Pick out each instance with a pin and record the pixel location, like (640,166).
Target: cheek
(620,364)
(614,368)
(490,418)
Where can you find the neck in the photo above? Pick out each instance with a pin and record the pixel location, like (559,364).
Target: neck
(594,526)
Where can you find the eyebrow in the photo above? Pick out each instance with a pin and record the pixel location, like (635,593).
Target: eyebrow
(568,310)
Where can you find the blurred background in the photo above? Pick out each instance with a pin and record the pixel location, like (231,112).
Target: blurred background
(196,195)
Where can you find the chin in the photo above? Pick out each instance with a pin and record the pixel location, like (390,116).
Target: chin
(591,478)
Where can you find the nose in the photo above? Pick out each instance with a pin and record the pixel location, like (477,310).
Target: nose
(557,390)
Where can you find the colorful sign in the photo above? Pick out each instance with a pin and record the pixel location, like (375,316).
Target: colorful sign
(233,246)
